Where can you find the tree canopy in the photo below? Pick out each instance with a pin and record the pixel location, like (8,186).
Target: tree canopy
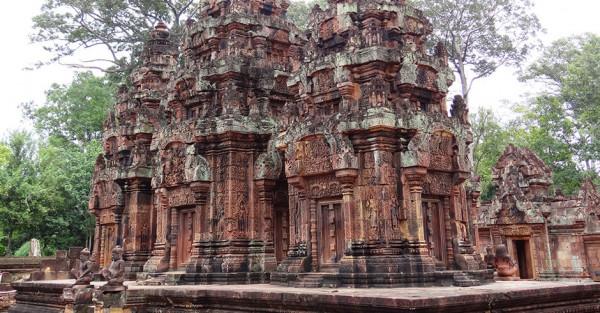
(569,107)
(45,179)
(74,112)
(482,35)
(560,123)
(118,28)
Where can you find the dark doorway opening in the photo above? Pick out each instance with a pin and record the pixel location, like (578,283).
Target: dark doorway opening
(524,259)
(281,214)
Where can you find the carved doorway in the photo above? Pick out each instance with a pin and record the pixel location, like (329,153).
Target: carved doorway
(331,232)
(435,226)
(523,252)
(185,236)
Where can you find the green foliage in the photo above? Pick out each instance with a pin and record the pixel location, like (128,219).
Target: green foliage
(570,110)
(23,249)
(482,35)
(44,186)
(560,125)
(19,194)
(299,11)
(4,154)
(543,128)
(490,139)
(118,28)
(74,112)
(65,175)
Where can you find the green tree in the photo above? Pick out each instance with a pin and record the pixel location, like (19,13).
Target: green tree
(74,112)
(482,35)
(543,128)
(117,27)
(18,191)
(569,110)
(489,141)
(70,128)
(64,178)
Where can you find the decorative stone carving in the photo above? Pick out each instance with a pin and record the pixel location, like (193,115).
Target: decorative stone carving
(268,166)
(490,257)
(505,266)
(196,167)
(115,273)
(85,273)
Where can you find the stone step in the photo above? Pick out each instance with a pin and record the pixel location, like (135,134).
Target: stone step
(464,280)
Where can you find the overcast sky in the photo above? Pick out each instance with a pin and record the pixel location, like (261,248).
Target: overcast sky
(559,18)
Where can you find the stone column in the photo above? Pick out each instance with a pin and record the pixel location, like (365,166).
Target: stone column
(173,239)
(415,177)
(448,229)
(97,237)
(102,247)
(472,226)
(265,199)
(120,228)
(201,193)
(347,178)
(314,248)
(265,189)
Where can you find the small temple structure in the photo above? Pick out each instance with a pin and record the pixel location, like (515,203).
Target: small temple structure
(548,236)
(258,153)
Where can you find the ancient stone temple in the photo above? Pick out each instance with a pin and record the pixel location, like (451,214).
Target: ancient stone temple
(549,236)
(260,153)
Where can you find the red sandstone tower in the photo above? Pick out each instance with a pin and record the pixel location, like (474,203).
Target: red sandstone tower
(325,158)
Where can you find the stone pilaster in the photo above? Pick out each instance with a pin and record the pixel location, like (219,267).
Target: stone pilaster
(347,179)
(416,229)
(265,189)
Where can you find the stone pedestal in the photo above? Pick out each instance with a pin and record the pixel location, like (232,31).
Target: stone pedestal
(111,302)
(80,299)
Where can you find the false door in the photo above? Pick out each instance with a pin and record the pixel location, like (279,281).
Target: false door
(435,229)
(185,237)
(331,237)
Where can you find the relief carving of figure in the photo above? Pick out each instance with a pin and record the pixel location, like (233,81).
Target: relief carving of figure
(196,166)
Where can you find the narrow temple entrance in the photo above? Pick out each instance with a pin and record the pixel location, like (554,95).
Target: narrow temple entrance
(185,236)
(523,253)
(331,235)
(281,228)
(281,232)
(434,221)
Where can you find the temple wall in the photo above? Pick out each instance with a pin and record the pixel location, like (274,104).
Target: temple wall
(568,257)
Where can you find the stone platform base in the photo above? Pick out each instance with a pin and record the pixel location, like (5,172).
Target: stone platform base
(383,280)
(516,296)
(7,299)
